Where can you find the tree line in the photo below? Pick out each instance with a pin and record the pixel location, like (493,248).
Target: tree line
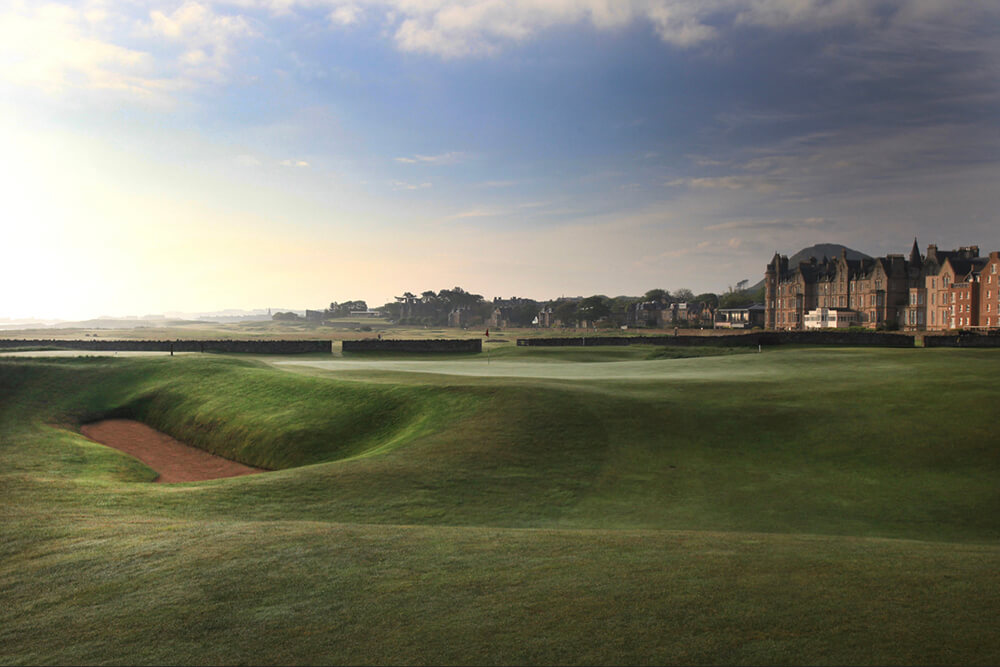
(456,306)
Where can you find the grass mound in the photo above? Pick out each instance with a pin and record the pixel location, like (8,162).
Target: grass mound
(804,506)
(238,409)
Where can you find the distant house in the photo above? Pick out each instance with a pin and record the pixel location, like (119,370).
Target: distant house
(646,314)
(545,318)
(690,313)
(746,317)
(460,317)
(499,317)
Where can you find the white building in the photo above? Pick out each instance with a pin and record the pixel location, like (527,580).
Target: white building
(831,318)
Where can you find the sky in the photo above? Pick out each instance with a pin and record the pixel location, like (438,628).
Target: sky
(200,155)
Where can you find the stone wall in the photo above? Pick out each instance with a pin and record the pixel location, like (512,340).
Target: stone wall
(974,340)
(860,339)
(223,346)
(427,345)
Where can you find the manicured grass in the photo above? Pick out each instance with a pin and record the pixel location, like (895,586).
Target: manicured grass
(796,506)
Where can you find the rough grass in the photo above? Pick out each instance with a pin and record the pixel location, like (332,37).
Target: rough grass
(799,506)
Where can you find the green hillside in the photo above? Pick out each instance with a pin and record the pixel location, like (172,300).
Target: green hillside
(539,506)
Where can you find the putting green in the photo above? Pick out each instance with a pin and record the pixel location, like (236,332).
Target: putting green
(733,368)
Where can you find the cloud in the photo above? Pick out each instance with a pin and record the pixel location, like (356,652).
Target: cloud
(442,159)
(403,185)
(769,224)
(473,213)
(463,28)
(701,248)
(48,47)
(727,183)
(345,15)
(207,39)
(59,48)
(294,163)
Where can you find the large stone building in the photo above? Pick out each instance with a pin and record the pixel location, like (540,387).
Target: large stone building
(953,289)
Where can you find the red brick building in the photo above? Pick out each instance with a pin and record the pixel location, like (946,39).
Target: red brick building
(952,289)
(989,292)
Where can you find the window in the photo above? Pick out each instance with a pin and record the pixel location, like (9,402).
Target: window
(993,268)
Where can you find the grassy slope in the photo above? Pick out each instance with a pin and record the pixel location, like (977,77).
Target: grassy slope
(510,519)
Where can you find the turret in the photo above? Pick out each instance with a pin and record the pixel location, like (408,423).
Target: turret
(915,260)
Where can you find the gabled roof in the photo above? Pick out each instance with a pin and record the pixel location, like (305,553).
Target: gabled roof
(963,266)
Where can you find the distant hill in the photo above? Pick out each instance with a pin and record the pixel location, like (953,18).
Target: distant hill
(819,251)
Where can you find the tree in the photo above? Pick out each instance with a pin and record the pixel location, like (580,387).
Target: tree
(594,308)
(709,298)
(657,294)
(736,300)
(344,309)
(523,312)
(392,309)
(620,307)
(683,295)
(459,298)
(565,312)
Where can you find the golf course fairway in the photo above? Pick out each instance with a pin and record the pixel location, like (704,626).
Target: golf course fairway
(530,506)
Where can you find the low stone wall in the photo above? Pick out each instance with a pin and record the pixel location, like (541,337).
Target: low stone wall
(848,338)
(597,341)
(859,339)
(974,340)
(428,345)
(223,346)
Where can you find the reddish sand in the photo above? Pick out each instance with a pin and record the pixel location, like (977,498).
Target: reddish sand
(173,460)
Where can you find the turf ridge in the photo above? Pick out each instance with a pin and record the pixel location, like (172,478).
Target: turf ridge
(713,511)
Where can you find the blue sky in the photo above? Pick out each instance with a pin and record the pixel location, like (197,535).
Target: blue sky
(200,155)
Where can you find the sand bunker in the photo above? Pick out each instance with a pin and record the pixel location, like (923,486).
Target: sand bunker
(173,460)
